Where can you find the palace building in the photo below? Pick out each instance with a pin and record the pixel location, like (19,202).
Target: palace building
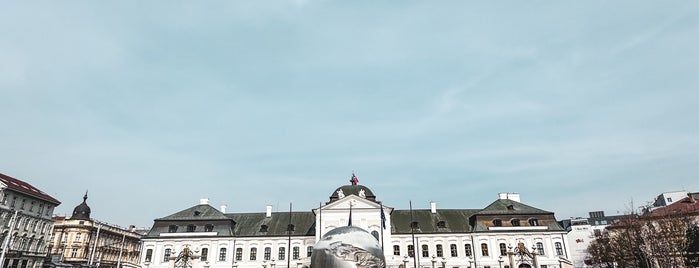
(506,233)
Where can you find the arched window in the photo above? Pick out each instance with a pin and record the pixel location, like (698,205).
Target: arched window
(559,248)
(166,256)
(497,222)
(503,249)
(238,254)
(484,249)
(282,253)
(204,254)
(268,253)
(295,253)
(375,234)
(425,251)
(467,250)
(515,222)
(539,248)
(222,254)
(253,254)
(533,222)
(440,251)
(453,250)
(411,250)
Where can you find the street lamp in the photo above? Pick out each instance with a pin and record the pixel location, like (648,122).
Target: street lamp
(405,262)
(500,260)
(434,261)
(444,262)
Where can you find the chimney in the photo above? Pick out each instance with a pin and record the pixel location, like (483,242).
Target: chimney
(269,211)
(502,196)
(132,227)
(510,196)
(204,201)
(691,198)
(223,208)
(433,207)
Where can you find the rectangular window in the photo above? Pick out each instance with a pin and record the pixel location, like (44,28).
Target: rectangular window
(238,254)
(467,250)
(503,249)
(309,251)
(253,254)
(149,254)
(78,236)
(191,228)
(425,251)
(453,250)
(396,250)
(74,253)
(166,256)
(411,251)
(204,254)
(440,251)
(268,253)
(540,248)
(484,249)
(282,253)
(222,254)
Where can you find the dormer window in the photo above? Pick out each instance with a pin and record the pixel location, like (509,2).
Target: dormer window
(515,222)
(510,207)
(172,229)
(264,228)
(441,224)
(497,222)
(533,222)
(191,228)
(208,228)
(290,227)
(414,225)
(197,213)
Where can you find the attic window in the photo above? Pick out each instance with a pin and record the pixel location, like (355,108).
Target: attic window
(497,222)
(414,225)
(515,222)
(208,228)
(264,228)
(290,227)
(510,207)
(191,228)
(197,213)
(172,229)
(441,224)
(533,222)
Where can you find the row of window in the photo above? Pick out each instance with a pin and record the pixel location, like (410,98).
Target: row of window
(26,224)
(469,251)
(222,254)
(190,228)
(30,206)
(516,222)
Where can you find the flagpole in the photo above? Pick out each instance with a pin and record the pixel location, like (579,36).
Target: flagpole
(412,233)
(288,257)
(383,225)
(320,220)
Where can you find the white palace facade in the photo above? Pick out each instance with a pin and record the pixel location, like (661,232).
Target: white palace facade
(506,233)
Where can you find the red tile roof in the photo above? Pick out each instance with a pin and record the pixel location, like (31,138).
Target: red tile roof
(687,206)
(26,188)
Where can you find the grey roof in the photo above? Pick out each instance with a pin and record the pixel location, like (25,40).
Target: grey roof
(455,221)
(507,206)
(198,212)
(250,224)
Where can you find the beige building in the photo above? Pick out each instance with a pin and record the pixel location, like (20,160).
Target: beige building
(80,241)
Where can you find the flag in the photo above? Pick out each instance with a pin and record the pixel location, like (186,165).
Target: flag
(354,179)
(383,218)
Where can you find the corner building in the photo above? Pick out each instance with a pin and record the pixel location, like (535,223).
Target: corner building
(506,233)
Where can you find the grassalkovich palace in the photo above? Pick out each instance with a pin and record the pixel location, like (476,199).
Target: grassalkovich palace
(506,233)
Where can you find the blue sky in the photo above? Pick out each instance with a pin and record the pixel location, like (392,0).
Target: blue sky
(577,105)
